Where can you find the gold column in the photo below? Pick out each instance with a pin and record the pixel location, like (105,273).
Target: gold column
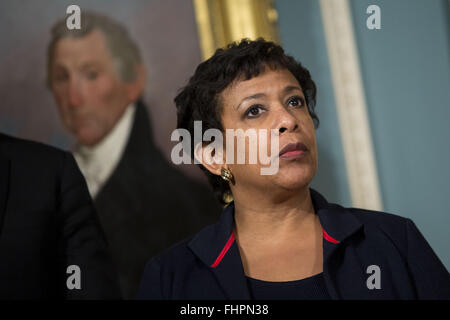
(220,22)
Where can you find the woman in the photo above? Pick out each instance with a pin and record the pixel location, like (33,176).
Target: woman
(279,239)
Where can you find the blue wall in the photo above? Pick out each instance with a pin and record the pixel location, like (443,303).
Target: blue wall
(406,75)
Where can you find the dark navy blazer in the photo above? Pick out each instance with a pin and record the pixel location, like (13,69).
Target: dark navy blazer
(208,265)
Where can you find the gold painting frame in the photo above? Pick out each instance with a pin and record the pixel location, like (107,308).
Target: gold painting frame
(220,22)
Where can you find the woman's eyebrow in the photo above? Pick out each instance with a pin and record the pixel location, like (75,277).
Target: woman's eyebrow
(253,96)
(292,88)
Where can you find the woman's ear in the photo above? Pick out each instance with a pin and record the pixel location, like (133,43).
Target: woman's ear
(210,157)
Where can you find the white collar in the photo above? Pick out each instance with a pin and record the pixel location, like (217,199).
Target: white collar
(98,162)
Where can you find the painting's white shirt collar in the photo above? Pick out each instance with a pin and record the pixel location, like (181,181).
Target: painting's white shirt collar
(97,163)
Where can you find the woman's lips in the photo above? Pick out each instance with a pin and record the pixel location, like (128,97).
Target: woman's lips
(293,151)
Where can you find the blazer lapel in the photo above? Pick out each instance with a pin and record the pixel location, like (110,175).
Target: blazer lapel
(231,276)
(337,225)
(216,247)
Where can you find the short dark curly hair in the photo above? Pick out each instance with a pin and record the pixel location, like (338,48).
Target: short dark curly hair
(199,100)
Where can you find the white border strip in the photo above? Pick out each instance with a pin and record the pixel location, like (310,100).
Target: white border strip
(351,105)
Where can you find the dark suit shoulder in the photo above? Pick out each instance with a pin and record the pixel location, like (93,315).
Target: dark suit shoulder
(166,269)
(392,226)
(28,151)
(378,217)
(172,256)
(49,167)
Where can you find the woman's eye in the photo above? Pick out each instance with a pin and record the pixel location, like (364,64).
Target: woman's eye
(253,111)
(296,102)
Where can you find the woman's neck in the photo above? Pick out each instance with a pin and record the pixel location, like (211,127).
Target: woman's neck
(275,216)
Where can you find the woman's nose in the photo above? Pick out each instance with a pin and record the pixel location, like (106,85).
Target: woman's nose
(287,121)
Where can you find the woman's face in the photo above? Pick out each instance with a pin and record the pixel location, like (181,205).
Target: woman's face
(272,100)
